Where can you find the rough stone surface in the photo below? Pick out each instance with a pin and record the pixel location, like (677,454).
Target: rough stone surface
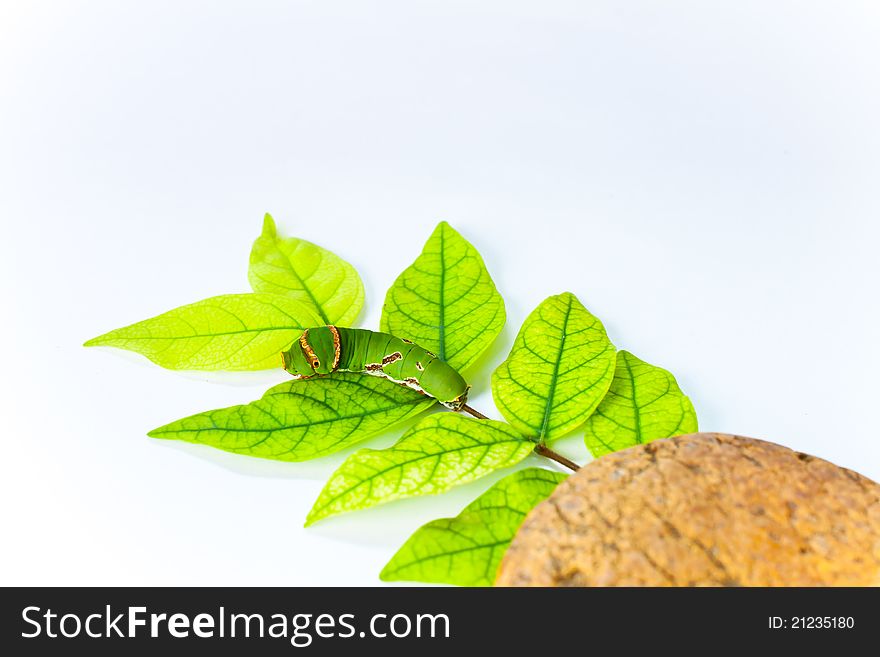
(703,509)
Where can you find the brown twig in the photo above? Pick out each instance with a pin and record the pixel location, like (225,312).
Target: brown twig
(541,449)
(474,412)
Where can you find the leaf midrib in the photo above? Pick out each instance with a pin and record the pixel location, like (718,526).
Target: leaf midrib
(422,456)
(340,418)
(552,392)
(637,411)
(301,280)
(99,340)
(442,317)
(447,553)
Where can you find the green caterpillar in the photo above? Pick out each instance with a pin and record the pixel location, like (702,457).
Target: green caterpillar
(327,349)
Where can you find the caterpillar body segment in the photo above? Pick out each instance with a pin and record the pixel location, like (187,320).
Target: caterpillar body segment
(326,349)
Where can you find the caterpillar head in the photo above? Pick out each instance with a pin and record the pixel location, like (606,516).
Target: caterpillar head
(459,402)
(294,361)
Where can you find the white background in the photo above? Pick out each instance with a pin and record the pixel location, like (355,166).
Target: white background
(704,176)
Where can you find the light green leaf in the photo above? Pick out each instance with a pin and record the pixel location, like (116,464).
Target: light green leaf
(643,404)
(229,332)
(446,301)
(442,451)
(467,549)
(301,420)
(559,369)
(308,273)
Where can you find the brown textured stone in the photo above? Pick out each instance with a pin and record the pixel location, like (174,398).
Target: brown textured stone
(704,509)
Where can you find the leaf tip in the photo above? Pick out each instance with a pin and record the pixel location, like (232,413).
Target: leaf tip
(628,358)
(269,229)
(443,229)
(447,228)
(96,341)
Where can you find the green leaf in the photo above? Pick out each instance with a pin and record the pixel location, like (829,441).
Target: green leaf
(442,451)
(229,332)
(467,549)
(559,369)
(301,420)
(643,404)
(308,273)
(446,301)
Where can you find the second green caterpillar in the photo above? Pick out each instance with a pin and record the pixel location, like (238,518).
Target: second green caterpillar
(327,349)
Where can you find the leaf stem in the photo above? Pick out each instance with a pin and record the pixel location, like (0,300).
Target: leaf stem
(543,450)
(474,412)
(540,448)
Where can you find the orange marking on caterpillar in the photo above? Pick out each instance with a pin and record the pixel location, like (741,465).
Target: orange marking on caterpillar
(307,349)
(413,383)
(337,346)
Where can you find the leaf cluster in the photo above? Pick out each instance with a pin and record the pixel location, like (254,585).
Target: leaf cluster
(562,374)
